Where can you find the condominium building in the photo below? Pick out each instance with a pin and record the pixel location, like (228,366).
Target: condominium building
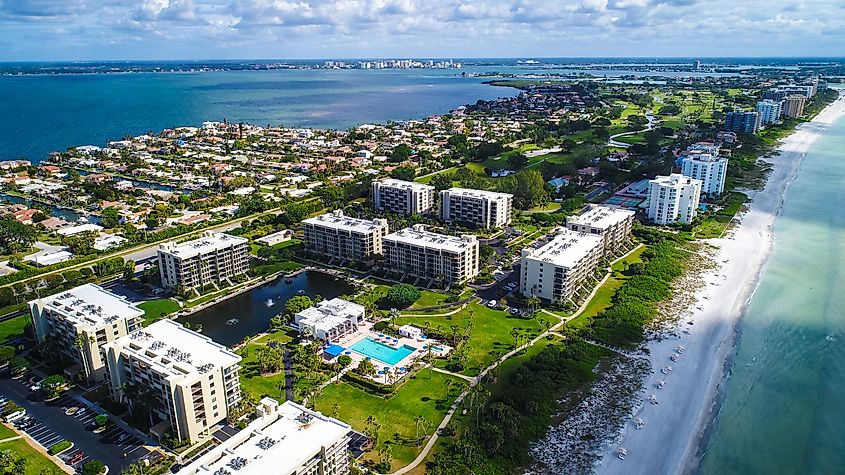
(336,236)
(709,169)
(183,379)
(75,325)
(769,110)
(612,224)
(793,106)
(329,320)
(403,197)
(747,122)
(284,439)
(555,271)
(433,257)
(673,199)
(486,209)
(210,259)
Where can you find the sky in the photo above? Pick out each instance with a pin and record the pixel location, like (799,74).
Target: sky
(37,30)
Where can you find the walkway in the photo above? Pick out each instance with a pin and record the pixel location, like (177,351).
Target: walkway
(612,142)
(457,375)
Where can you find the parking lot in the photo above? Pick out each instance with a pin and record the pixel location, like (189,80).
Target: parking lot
(51,422)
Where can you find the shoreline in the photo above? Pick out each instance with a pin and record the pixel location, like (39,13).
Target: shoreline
(677,430)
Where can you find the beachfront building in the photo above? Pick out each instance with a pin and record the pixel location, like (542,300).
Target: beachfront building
(793,106)
(336,236)
(184,380)
(212,258)
(711,170)
(486,209)
(556,270)
(75,324)
(746,122)
(403,197)
(770,111)
(612,224)
(435,258)
(330,320)
(284,439)
(673,199)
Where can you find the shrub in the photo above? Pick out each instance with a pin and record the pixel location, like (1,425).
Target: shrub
(94,467)
(402,295)
(59,447)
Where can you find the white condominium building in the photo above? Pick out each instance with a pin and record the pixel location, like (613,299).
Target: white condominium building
(75,324)
(403,197)
(612,224)
(285,439)
(415,252)
(709,169)
(673,199)
(770,110)
(555,270)
(486,209)
(212,258)
(337,236)
(793,106)
(330,319)
(192,381)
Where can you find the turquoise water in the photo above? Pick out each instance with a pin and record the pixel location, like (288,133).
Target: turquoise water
(784,403)
(379,351)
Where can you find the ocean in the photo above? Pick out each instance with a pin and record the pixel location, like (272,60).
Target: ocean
(784,402)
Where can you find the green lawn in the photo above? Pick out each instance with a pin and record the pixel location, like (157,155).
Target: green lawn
(37,464)
(282,336)
(255,383)
(429,298)
(5,432)
(272,268)
(425,395)
(427,179)
(11,329)
(714,224)
(157,309)
(490,337)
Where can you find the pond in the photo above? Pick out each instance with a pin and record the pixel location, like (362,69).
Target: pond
(249,313)
(66,214)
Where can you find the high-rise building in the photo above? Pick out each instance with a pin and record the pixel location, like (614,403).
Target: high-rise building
(403,197)
(555,270)
(183,379)
(793,106)
(284,439)
(486,209)
(76,323)
(673,199)
(747,122)
(434,258)
(213,258)
(711,170)
(769,110)
(336,236)
(612,224)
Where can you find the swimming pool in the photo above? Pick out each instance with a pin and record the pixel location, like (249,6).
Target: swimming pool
(379,351)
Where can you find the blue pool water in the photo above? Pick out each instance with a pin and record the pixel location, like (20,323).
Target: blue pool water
(379,351)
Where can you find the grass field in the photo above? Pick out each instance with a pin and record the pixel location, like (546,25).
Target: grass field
(13,328)
(37,463)
(253,382)
(714,225)
(157,309)
(427,395)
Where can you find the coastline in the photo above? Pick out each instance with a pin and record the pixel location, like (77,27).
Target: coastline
(675,428)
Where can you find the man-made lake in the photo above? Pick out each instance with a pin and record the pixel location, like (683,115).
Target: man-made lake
(254,309)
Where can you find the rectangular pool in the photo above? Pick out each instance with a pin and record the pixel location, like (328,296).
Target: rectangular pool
(379,351)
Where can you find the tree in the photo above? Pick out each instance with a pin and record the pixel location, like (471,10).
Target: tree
(344,360)
(365,368)
(6,354)
(18,365)
(129,270)
(94,467)
(15,236)
(110,217)
(441,181)
(402,295)
(276,323)
(400,153)
(297,304)
(528,188)
(404,173)
(101,420)
(12,463)
(80,244)
(295,212)
(53,385)
(517,161)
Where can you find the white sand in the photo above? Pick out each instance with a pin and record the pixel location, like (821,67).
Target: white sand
(668,442)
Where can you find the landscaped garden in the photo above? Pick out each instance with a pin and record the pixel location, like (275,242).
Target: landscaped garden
(155,310)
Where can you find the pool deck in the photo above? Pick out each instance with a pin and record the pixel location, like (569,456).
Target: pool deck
(366,330)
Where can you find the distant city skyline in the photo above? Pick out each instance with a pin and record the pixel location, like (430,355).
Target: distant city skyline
(38,30)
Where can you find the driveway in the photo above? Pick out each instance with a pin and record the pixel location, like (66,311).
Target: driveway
(52,425)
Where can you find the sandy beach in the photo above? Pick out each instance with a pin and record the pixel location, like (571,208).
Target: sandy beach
(668,442)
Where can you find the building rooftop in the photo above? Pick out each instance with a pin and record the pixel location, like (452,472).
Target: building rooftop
(277,442)
(329,314)
(470,193)
(171,348)
(673,180)
(705,157)
(566,248)
(601,217)
(91,304)
(210,241)
(337,220)
(405,184)
(418,236)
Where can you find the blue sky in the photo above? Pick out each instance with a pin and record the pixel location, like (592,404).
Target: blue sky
(206,29)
